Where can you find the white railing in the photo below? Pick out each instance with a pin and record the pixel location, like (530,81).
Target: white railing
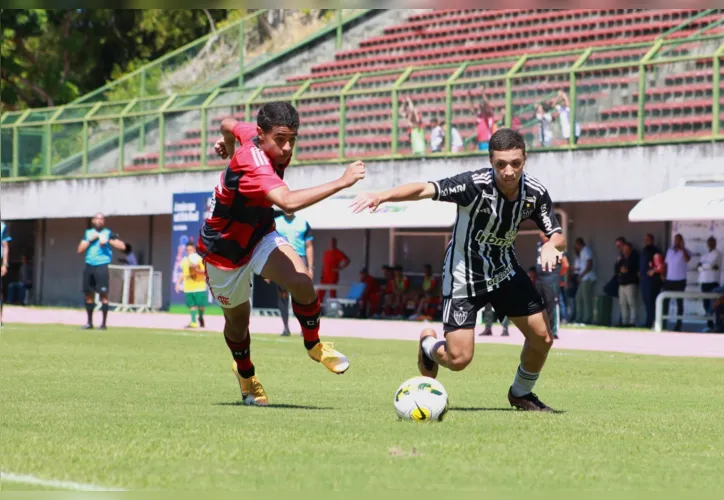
(660,316)
(134,288)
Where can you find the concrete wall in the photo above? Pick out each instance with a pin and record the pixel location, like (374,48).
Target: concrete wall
(580,176)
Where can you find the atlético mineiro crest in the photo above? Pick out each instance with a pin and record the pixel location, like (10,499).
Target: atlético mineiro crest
(460,316)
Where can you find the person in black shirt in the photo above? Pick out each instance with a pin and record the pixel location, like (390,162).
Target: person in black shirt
(650,278)
(480,264)
(628,284)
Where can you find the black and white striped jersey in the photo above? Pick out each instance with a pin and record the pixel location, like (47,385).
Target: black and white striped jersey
(481,255)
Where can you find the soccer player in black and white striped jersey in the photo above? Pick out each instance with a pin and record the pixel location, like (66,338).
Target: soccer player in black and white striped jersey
(480,264)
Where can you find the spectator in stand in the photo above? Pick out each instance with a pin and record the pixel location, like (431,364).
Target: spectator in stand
(456,140)
(545,124)
(710,274)
(651,278)
(628,284)
(437,136)
(5,255)
(417,132)
(369,303)
(485,118)
(428,297)
(333,261)
(18,290)
(388,293)
(675,265)
(586,278)
(563,114)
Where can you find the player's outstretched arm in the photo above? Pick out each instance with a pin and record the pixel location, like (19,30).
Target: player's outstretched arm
(293,201)
(407,192)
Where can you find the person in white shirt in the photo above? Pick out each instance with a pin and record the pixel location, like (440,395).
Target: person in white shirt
(456,140)
(437,136)
(563,109)
(586,277)
(710,274)
(545,124)
(675,269)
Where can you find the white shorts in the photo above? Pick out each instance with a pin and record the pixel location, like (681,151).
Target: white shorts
(233,288)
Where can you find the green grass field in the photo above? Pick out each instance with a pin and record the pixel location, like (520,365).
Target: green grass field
(141,409)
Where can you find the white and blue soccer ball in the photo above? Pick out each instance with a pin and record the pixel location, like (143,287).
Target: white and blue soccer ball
(422,399)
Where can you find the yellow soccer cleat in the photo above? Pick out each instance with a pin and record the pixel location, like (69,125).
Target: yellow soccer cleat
(334,360)
(252,392)
(193,324)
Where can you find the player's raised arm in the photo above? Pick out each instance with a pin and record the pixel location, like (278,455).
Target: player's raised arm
(407,192)
(292,201)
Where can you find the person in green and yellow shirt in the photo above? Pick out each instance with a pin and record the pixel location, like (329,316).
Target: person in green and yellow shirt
(193,283)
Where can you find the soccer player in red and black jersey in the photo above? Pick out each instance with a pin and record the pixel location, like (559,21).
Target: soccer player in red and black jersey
(239,240)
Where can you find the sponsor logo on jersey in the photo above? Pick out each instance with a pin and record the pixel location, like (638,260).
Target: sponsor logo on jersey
(499,276)
(224,301)
(484,238)
(460,188)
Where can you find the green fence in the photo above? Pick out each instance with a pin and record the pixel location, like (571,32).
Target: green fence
(667,91)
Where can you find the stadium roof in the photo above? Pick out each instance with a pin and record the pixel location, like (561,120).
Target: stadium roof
(693,200)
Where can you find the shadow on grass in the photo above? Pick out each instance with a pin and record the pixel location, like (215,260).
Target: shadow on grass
(494,409)
(281,406)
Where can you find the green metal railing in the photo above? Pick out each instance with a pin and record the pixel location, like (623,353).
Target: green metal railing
(37,139)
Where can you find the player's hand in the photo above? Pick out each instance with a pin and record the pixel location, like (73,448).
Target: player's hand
(355,172)
(93,236)
(366,200)
(178,288)
(3,270)
(224,149)
(549,257)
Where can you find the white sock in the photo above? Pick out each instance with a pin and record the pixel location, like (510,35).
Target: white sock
(431,345)
(524,382)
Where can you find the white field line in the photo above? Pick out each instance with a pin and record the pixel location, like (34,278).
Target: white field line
(29,479)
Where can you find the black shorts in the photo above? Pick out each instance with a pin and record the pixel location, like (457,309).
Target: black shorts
(95,279)
(515,297)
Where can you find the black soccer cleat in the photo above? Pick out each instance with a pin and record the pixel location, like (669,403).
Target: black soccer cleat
(201,322)
(528,402)
(103,327)
(87,326)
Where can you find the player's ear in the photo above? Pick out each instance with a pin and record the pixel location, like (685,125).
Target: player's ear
(259,131)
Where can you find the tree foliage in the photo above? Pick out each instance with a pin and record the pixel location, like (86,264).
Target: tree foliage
(50,57)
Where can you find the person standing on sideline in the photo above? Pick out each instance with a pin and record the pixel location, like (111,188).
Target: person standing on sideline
(547,283)
(489,317)
(5,240)
(193,283)
(650,278)
(710,274)
(97,244)
(297,232)
(675,269)
(586,282)
(628,284)
(562,297)
(333,261)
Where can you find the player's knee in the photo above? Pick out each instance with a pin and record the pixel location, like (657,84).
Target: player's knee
(459,361)
(542,341)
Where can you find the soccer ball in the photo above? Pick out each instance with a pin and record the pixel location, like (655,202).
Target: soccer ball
(422,399)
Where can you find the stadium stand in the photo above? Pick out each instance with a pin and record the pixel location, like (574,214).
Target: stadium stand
(477,49)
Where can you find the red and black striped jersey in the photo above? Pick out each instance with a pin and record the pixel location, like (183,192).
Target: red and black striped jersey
(240,215)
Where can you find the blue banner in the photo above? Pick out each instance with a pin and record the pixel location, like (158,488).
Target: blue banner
(188,215)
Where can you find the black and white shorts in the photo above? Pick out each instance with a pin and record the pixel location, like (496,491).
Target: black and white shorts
(95,279)
(513,298)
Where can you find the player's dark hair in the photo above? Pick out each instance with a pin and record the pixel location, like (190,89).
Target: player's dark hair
(277,114)
(506,139)
(621,239)
(191,244)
